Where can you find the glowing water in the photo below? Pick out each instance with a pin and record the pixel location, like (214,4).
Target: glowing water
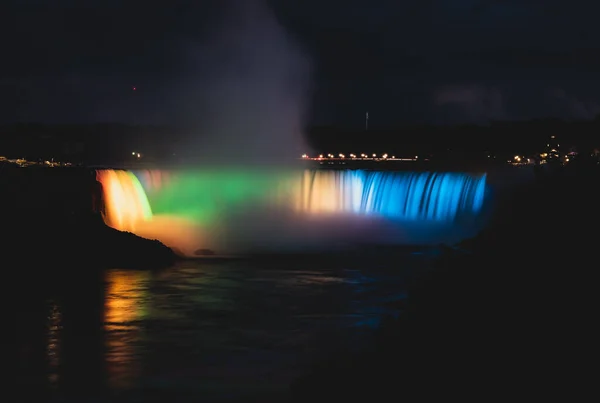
(125,199)
(240,210)
(404,196)
(205,196)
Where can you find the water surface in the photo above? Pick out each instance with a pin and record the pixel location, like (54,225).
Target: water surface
(201,330)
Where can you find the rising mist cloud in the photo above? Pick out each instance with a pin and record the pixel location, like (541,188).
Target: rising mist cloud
(248,101)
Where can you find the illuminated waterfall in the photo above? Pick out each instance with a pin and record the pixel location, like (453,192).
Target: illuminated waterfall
(186,208)
(404,196)
(125,200)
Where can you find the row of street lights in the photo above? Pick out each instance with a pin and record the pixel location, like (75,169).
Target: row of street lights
(362,156)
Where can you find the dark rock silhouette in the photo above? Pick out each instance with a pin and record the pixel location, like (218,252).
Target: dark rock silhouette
(53,215)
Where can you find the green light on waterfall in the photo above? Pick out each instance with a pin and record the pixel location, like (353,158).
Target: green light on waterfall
(141,196)
(205,196)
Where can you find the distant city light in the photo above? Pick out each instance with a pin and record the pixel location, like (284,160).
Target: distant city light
(362,156)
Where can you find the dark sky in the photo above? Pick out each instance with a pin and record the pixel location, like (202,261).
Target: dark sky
(414,61)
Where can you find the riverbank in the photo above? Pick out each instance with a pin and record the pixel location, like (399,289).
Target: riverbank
(60,245)
(51,219)
(512,317)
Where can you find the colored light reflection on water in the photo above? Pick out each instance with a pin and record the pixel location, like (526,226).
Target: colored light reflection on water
(190,206)
(125,299)
(125,306)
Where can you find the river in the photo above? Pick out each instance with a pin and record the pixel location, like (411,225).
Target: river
(201,330)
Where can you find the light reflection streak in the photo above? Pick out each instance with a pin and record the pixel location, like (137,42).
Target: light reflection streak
(54,342)
(125,306)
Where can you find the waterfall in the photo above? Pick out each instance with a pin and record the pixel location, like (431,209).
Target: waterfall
(178,204)
(395,195)
(125,199)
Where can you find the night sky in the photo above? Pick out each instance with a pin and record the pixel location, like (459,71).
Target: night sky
(325,61)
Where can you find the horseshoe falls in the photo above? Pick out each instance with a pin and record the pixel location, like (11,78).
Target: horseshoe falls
(399,196)
(243,211)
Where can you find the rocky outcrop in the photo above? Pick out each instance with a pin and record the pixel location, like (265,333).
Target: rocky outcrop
(81,241)
(48,220)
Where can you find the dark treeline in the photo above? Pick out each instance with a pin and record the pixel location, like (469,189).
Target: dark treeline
(85,143)
(498,138)
(116,142)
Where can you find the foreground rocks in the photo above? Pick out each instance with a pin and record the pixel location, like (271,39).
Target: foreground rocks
(49,224)
(83,241)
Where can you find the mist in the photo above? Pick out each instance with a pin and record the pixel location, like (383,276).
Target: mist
(247,96)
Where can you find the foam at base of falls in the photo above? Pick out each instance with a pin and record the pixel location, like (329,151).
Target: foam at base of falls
(241,211)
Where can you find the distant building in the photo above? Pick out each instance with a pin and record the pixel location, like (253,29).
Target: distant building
(551,150)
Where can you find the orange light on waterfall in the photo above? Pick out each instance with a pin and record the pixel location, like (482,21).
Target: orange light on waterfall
(125,200)
(320,193)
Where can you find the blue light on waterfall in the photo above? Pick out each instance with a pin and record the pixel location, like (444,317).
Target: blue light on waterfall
(419,196)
